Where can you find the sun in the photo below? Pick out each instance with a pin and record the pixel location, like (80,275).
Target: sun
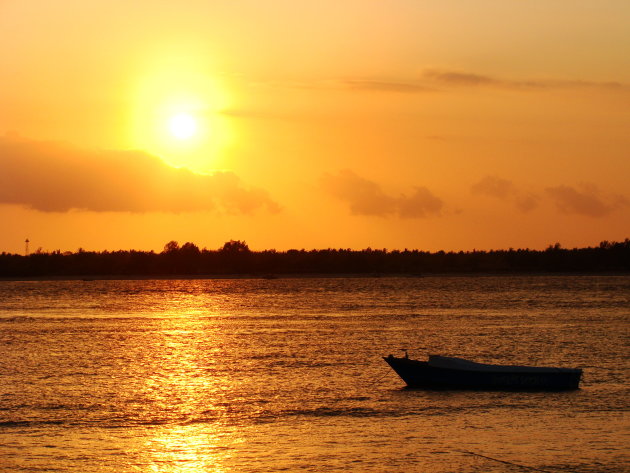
(182,126)
(178,115)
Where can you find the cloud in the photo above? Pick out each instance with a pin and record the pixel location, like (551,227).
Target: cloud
(507,191)
(459,78)
(434,80)
(494,186)
(427,81)
(366,197)
(526,202)
(470,79)
(421,204)
(387,86)
(585,200)
(56,177)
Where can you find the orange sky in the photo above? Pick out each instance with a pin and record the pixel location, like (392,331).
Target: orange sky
(402,124)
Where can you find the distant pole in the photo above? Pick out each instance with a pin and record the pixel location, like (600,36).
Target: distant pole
(26,242)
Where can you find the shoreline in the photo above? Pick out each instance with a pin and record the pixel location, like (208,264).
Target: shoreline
(183,277)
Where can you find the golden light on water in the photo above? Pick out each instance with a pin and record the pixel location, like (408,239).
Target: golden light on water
(189,390)
(188,449)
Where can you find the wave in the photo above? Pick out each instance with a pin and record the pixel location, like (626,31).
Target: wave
(18,319)
(29,423)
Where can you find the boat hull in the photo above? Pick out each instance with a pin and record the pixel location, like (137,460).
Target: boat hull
(421,375)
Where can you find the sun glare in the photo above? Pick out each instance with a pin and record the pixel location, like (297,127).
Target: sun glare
(182,126)
(177,113)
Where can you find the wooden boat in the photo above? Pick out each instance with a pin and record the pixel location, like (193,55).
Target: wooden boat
(442,372)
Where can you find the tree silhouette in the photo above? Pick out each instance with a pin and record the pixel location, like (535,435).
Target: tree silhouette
(235,258)
(235,246)
(171,247)
(190,249)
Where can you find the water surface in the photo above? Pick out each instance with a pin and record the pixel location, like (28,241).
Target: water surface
(286,375)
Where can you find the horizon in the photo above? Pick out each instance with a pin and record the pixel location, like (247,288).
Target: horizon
(441,126)
(28,250)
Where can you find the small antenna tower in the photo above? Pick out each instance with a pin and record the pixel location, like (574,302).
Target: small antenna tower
(26,242)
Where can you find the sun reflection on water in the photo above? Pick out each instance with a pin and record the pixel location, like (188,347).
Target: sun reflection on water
(186,394)
(189,449)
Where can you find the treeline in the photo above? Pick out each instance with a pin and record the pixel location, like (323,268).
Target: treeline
(235,258)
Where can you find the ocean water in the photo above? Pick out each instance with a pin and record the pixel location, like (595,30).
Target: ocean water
(286,375)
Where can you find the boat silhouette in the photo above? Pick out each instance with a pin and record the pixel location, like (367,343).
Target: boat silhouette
(442,372)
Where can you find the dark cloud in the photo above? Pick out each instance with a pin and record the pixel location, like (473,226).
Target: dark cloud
(366,197)
(56,177)
(585,200)
(505,190)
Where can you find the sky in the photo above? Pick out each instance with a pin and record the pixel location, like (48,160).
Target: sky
(437,125)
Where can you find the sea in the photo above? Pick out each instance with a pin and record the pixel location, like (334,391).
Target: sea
(287,374)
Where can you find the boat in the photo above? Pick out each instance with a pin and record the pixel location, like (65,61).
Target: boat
(443,372)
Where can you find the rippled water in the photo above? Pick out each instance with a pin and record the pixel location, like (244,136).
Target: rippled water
(286,375)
